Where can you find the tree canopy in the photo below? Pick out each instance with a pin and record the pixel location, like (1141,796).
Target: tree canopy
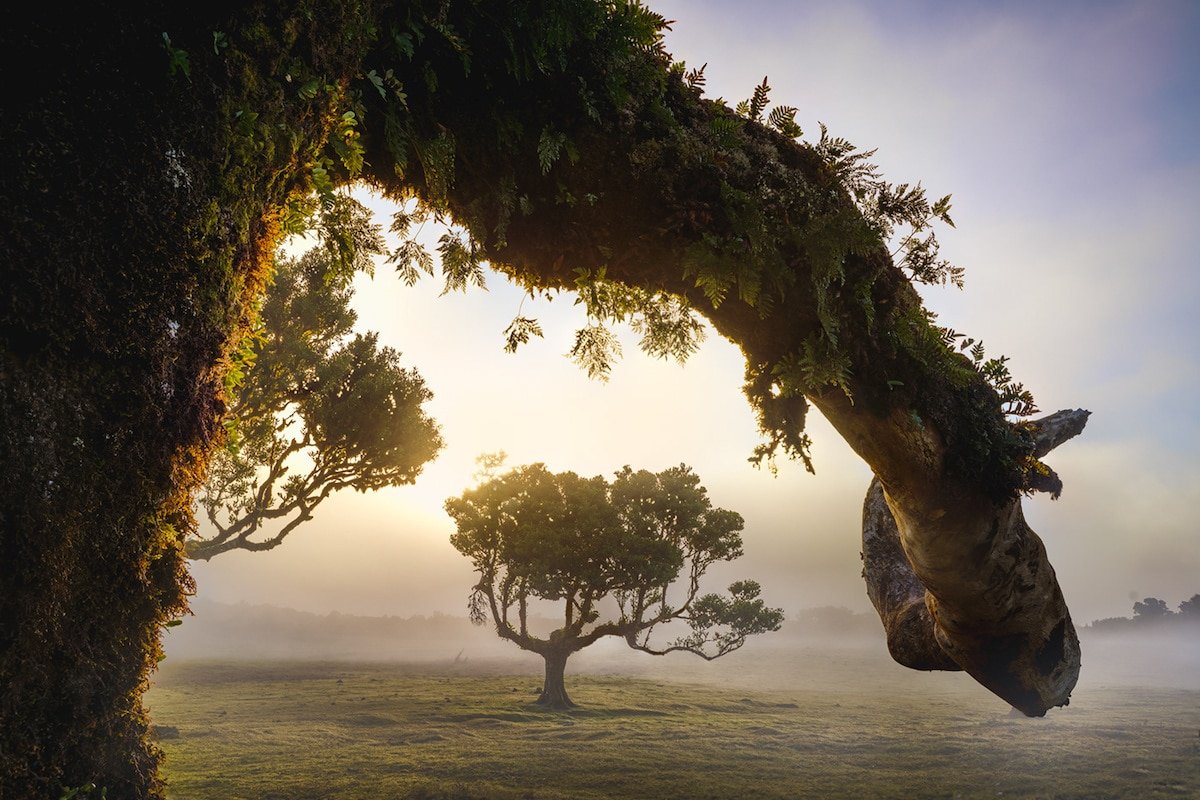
(316,408)
(642,541)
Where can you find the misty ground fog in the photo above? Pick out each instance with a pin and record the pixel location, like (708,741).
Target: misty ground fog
(269,703)
(822,647)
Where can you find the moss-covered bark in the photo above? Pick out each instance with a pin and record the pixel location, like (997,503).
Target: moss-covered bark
(137,210)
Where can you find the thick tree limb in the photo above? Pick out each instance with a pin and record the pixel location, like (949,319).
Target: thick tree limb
(1061,426)
(671,201)
(896,592)
(925,631)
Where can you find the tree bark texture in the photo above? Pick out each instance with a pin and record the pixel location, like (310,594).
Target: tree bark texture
(1010,630)
(554,690)
(138,214)
(1021,661)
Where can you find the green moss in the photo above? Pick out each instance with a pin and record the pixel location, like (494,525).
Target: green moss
(140,211)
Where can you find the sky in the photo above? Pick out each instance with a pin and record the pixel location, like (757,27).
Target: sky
(1069,137)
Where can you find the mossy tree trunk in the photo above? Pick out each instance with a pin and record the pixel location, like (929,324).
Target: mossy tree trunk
(138,212)
(913,582)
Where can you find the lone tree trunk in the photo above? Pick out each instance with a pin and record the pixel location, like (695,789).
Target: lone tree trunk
(554,690)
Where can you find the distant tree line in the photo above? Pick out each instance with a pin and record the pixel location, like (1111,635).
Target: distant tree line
(1153,612)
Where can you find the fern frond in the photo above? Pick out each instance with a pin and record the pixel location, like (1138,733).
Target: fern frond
(783,119)
(758,101)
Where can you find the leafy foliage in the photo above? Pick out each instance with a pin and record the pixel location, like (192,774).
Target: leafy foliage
(519,331)
(462,262)
(890,208)
(783,119)
(318,409)
(753,108)
(667,325)
(645,539)
(595,349)
(1015,399)
(178,60)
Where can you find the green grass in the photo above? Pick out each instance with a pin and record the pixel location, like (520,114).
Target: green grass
(332,730)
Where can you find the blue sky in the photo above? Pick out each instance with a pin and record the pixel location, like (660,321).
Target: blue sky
(1069,136)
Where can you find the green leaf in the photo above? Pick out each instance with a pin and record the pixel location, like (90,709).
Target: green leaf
(462,263)
(595,350)
(941,210)
(411,258)
(758,101)
(308,90)
(519,331)
(404,43)
(377,82)
(550,146)
(783,119)
(177,59)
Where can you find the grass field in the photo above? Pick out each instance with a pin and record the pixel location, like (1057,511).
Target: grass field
(264,731)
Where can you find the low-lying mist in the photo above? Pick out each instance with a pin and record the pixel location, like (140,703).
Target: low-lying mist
(829,647)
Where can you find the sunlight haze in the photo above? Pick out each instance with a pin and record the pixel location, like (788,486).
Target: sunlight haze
(1067,138)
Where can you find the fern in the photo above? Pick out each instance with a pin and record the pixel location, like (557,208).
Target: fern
(758,101)
(725,129)
(783,119)
(462,263)
(346,142)
(518,332)
(437,160)
(1015,399)
(668,327)
(550,146)
(595,350)
(410,259)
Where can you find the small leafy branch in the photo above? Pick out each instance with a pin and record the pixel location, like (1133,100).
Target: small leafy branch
(177,58)
(781,118)
(462,257)
(667,324)
(519,332)
(1015,399)
(892,208)
(595,350)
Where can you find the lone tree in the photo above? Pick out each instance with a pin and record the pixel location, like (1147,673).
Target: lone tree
(642,543)
(317,409)
(577,155)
